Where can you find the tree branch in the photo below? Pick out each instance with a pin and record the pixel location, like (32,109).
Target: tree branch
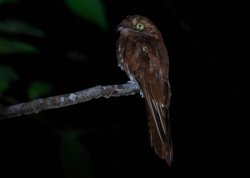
(59,101)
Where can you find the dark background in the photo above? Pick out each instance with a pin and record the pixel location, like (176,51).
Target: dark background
(112,133)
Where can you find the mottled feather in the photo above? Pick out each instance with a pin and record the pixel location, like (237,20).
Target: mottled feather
(143,56)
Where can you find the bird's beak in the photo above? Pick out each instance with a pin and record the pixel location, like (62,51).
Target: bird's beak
(122,28)
(119,28)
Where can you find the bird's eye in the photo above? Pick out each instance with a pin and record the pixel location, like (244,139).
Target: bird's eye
(139,26)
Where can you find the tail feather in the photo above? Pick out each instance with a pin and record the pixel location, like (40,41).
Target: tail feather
(163,148)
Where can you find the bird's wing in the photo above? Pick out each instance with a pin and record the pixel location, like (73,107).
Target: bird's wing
(155,85)
(148,66)
(159,128)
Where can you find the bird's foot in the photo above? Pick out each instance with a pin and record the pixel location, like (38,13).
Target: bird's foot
(135,83)
(132,82)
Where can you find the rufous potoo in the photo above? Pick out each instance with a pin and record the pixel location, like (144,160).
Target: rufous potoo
(142,54)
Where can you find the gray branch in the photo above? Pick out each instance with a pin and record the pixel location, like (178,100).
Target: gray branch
(59,101)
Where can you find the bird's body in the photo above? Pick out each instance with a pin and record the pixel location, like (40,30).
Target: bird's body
(142,54)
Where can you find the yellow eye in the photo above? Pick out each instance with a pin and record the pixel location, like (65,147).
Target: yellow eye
(139,26)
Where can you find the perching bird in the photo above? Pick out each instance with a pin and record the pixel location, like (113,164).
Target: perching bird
(142,54)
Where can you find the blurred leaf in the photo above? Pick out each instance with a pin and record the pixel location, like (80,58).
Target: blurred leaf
(19,27)
(39,89)
(7,75)
(76,56)
(7,1)
(12,46)
(74,156)
(4,85)
(90,10)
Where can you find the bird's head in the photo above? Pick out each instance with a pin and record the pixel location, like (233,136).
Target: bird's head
(138,25)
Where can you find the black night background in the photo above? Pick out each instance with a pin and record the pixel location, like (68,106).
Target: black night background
(68,52)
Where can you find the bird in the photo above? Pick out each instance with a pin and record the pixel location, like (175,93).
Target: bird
(142,54)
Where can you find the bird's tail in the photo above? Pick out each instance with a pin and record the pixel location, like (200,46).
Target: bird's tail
(163,148)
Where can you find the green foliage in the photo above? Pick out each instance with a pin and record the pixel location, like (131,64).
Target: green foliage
(74,156)
(19,27)
(7,75)
(13,46)
(90,10)
(7,1)
(8,46)
(39,89)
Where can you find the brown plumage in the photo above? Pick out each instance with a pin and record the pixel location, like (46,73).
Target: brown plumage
(142,54)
